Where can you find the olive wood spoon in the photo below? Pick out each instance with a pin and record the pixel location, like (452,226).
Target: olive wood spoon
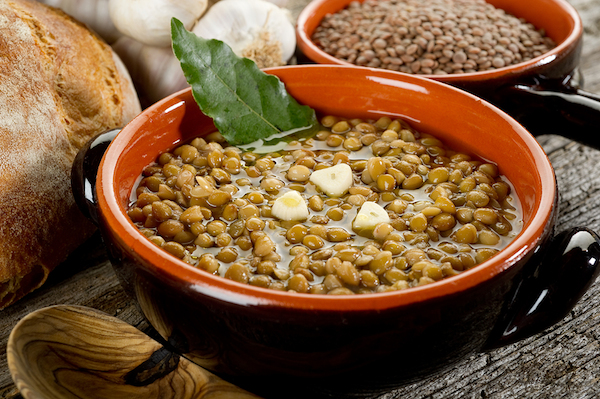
(78,352)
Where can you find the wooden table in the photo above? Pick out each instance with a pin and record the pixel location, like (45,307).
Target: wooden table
(564,362)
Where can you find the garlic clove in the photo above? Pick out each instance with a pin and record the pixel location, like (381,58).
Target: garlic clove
(333,181)
(278,3)
(369,216)
(255,29)
(155,70)
(149,21)
(93,13)
(290,206)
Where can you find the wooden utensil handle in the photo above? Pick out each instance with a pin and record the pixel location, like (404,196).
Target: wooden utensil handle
(77,352)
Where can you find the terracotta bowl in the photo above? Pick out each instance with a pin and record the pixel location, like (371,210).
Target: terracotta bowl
(259,335)
(543,93)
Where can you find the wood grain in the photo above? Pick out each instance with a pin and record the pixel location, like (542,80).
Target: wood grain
(561,363)
(70,352)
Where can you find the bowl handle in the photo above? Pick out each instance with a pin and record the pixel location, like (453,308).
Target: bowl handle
(554,107)
(566,270)
(85,169)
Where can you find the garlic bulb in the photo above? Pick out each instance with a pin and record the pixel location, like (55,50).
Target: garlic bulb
(149,21)
(155,70)
(93,13)
(255,29)
(279,3)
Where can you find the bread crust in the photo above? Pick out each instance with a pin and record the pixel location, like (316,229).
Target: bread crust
(60,85)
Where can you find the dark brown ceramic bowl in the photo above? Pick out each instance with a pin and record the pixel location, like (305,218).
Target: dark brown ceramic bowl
(383,338)
(543,93)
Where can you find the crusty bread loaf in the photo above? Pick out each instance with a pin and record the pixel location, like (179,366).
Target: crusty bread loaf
(60,85)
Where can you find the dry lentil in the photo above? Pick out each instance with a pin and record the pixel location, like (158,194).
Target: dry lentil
(448,211)
(432,37)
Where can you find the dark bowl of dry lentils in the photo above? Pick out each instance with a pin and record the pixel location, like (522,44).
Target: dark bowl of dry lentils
(399,231)
(521,56)
(449,40)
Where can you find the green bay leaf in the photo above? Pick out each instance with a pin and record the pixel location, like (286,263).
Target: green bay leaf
(246,104)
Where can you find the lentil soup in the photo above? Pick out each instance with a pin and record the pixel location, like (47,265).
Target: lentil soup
(401,210)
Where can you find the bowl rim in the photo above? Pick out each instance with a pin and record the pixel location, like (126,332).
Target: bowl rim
(114,218)
(310,50)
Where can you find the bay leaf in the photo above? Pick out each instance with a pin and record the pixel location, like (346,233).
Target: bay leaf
(246,104)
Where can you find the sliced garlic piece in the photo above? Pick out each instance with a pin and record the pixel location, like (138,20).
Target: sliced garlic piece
(370,215)
(149,21)
(290,206)
(334,181)
(255,29)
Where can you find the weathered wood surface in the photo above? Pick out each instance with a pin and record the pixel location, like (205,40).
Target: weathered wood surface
(564,362)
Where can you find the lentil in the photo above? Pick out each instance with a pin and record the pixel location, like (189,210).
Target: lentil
(433,37)
(447,211)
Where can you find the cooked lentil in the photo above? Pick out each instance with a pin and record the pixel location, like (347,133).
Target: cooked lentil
(447,211)
(429,37)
